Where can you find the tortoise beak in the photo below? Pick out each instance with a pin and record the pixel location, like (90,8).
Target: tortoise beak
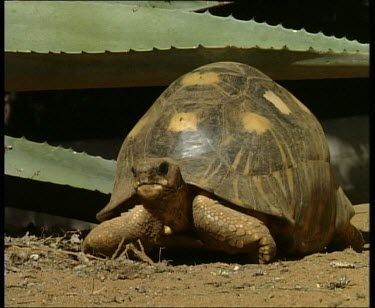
(149,191)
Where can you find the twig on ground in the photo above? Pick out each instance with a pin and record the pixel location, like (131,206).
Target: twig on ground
(118,248)
(140,254)
(56,250)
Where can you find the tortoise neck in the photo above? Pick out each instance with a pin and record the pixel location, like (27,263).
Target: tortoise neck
(173,209)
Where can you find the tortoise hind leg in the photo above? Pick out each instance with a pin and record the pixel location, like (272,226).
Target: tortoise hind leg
(346,234)
(225,229)
(349,236)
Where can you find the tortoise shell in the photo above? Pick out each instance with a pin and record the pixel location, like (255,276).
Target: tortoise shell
(242,137)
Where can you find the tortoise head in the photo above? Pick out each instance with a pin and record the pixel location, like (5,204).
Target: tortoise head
(156,178)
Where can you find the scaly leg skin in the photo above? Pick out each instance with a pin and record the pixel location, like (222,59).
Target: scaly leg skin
(136,224)
(231,231)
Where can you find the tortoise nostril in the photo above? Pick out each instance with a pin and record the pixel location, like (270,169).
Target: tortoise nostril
(163,168)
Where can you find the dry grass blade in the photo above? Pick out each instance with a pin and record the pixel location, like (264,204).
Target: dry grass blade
(139,253)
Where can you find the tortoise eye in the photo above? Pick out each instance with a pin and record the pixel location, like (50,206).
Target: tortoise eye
(163,168)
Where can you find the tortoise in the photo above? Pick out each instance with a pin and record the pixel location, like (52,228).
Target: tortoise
(228,157)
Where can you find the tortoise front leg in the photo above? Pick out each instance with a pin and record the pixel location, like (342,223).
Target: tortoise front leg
(136,224)
(225,229)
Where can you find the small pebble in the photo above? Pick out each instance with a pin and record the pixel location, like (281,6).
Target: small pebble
(83,258)
(119,299)
(259,272)
(74,239)
(34,257)
(284,270)
(278,279)
(79,267)
(140,289)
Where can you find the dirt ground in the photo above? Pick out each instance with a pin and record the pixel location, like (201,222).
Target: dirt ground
(51,271)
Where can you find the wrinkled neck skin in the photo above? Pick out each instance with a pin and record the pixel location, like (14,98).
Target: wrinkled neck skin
(172,207)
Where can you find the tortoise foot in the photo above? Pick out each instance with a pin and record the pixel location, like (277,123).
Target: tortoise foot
(267,250)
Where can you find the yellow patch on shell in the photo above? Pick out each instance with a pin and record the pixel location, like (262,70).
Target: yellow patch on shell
(200,79)
(253,122)
(237,159)
(276,101)
(138,127)
(183,121)
(167,230)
